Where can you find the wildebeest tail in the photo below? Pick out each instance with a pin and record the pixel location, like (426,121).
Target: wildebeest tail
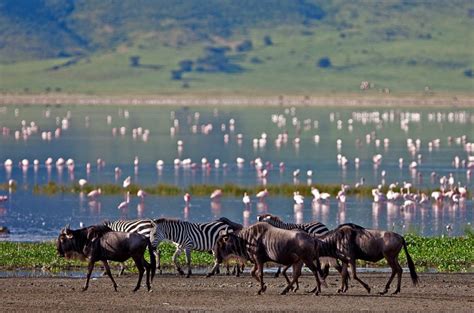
(152,259)
(411,265)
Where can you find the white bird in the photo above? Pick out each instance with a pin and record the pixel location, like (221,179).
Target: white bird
(82,182)
(437,196)
(187,198)
(124,204)
(126,182)
(299,199)
(141,194)
(94,193)
(315,193)
(261,195)
(341,196)
(246,199)
(296,173)
(216,194)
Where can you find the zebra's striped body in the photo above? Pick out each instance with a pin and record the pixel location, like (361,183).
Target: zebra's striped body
(189,236)
(311,228)
(142,226)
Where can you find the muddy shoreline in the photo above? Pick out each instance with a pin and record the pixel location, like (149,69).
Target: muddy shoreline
(355,100)
(436,293)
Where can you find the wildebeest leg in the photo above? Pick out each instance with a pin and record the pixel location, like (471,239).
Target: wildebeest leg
(90,267)
(175,260)
(315,269)
(396,269)
(139,264)
(344,278)
(122,269)
(263,287)
(278,272)
(188,261)
(288,282)
(354,275)
(296,274)
(253,271)
(147,268)
(109,273)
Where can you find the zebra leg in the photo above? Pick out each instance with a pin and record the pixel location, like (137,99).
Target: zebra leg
(157,253)
(176,254)
(188,261)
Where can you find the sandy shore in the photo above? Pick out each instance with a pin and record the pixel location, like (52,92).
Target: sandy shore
(356,100)
(436,293)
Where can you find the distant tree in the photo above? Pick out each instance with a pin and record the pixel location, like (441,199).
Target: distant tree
(267,40)
(244,46)
(256,60)
(134,61)
(176,75)
(469,73)
(186,65)
(324,62)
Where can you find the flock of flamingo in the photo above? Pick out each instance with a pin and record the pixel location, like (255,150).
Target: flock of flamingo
(448,190)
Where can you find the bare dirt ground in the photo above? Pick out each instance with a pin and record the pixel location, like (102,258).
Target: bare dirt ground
(436,293)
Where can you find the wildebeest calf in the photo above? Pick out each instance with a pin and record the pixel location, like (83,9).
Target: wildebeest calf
(350,242)
(262,243)
(100,243)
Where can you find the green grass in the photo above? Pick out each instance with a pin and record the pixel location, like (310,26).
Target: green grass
(444,254)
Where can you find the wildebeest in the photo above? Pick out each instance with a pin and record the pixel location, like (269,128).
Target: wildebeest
(262,243)
(100,243)
(314,227)
(350,242)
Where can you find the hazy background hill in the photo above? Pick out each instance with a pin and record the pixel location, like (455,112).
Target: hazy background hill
(202,46)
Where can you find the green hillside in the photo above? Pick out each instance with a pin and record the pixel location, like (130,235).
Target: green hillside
(224,46)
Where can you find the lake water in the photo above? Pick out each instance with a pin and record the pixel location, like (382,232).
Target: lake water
(303,138)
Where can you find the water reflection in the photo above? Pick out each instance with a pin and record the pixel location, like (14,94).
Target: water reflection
(352,146)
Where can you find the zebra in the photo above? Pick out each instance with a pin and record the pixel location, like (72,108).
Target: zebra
(315,228)
(141,226)
(189,236)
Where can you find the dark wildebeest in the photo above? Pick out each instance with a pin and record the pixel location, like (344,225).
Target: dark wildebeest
(262,243)
(100,243)
(350,242)
(314,227)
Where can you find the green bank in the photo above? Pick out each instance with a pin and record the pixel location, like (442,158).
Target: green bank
(444,254)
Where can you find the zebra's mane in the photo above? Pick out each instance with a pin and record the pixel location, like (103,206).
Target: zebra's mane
(170,220)
(107,222)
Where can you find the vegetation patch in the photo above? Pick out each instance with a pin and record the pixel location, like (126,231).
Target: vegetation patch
(203,190)
(444,254)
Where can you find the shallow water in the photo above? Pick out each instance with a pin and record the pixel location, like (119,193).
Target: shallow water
(86,134)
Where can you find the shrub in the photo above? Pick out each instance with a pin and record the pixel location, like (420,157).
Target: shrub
(324,62)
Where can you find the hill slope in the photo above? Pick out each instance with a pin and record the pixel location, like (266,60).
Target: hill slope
(167,46)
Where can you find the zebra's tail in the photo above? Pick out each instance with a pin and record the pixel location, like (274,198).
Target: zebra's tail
(152,259)
(411,265)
